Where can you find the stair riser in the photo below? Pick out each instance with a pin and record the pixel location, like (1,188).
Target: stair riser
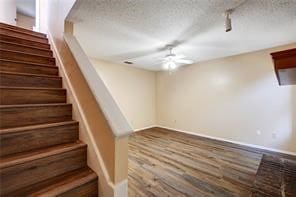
(11,55)
(31,96)
(22,175)
(38,138)
(27,68)
(86,190)
(6,26)
(23,116)
(11,80)
(24,36)
(21,48)
(23,41)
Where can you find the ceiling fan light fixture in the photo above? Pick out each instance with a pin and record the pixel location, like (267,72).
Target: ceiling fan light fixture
(170,65)
(172,61)
(166,66)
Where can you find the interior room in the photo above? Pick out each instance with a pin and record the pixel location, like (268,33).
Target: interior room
(148,98)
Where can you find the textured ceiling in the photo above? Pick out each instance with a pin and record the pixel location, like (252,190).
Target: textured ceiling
(26,7)
(138,31)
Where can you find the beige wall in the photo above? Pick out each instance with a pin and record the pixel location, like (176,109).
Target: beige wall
(230,98)
(233,98)
(25,21)
(133,89)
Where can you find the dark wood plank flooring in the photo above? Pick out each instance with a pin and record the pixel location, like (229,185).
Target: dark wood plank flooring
(167,163)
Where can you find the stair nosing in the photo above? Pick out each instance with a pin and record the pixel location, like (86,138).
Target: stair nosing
(17,27)
(30,74)
(25,53)
(23,39)
(31,88)
(29,63)
(34,127)
(26,33)
(60,189)
(38,154)
(24,45)
(34,105)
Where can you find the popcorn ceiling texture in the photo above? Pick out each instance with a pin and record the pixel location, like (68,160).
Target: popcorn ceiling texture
(139,30)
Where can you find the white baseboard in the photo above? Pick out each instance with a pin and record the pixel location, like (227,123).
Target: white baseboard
(231,141)
(144,128)
(121,189)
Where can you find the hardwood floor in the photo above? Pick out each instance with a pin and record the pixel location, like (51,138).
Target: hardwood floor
(166,163)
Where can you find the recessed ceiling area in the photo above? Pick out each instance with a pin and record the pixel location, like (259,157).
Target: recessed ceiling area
(139,31)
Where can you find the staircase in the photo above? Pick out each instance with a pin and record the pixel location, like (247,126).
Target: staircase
(40,153)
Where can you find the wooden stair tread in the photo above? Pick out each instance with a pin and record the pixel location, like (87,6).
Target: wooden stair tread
(60,184)
(12,95)
(29,74)
(20,158)
(31,114)
(21,40)
(32,37)
(20,79)
(30,63)
(33,105)
(20,29)
(23,45)
(17,37)
(27,56)
(30,88)
(32,127)
(23,32)
(10,45)
(26,53)
(22,67)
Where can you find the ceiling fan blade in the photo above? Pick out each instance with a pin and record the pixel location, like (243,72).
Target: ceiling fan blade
(182,61)
(175,57)
(179,56)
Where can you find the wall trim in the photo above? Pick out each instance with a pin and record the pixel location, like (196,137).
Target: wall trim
(116,120)
(230,141)
(145,128)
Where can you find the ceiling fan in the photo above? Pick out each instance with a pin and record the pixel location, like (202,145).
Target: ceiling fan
(172,61)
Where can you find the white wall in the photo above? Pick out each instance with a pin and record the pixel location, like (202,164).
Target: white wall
(230,98)
(133,89)
(8,11)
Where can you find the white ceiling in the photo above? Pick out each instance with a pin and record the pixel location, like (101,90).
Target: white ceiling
(26,7)
(138,31)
